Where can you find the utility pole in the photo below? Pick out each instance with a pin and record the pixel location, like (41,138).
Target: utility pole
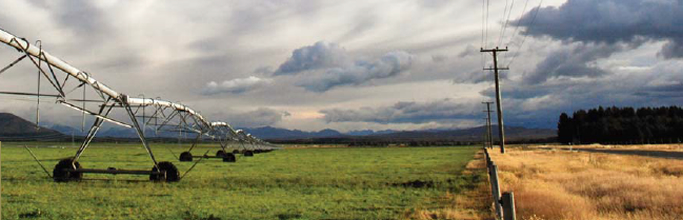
(499,105)
(489,134)
(486,135)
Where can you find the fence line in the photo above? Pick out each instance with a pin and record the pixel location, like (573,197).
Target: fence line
(504,203)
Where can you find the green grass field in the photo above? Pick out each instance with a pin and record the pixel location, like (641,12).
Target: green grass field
(314,183)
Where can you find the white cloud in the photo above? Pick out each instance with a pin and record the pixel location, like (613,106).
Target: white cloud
(320,55)
(322,66)
(389,65)
(235,86)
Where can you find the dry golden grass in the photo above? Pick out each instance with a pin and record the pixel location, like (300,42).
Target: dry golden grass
(658,147)
(557,184)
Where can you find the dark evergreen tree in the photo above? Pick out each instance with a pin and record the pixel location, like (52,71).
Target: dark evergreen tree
(622,125)
(565,132)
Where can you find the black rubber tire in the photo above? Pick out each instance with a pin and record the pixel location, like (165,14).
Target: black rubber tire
(248,153)
(185,156)
(236,151)
(62,171)
(220,153)
(230,158)
(169,173)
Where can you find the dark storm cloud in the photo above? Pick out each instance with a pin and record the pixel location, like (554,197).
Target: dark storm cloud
(402,112)
(577,61)
(672,49)
(611,22)
(661,92)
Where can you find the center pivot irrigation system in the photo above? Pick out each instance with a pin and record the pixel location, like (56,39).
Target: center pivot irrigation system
(162,115)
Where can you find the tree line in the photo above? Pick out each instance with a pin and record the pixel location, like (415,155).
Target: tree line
(622,125)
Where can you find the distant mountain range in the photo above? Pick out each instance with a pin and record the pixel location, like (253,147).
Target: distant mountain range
(281,133)
(469,134)
(15,127)
(370,132)
(117,132)
(472,134)
(284,134)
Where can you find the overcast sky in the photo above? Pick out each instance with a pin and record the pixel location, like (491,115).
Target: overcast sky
(352,65)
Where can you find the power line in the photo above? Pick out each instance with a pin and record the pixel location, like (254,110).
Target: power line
(505,11)
(531,24)
(505,25)
(514,33)
(519,20)
(486,37)
(483,24)
(483,21)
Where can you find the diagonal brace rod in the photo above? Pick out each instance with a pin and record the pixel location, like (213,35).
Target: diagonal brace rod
(136,125)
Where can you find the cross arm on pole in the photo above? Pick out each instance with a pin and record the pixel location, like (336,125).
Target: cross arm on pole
(499,68)
(494,50)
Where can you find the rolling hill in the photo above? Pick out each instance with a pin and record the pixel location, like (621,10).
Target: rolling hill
(13,127)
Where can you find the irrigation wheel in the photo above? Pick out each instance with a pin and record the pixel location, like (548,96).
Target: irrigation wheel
(169,173)
(248,153)
(63,171)
(229,157)
(185,156)
(220,153)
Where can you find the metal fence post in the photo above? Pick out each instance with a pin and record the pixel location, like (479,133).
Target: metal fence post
(508,202)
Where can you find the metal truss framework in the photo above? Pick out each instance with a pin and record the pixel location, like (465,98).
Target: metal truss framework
(135,113)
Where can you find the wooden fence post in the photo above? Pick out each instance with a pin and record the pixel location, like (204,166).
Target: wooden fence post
(508,202)
(495,189)
(504,204)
